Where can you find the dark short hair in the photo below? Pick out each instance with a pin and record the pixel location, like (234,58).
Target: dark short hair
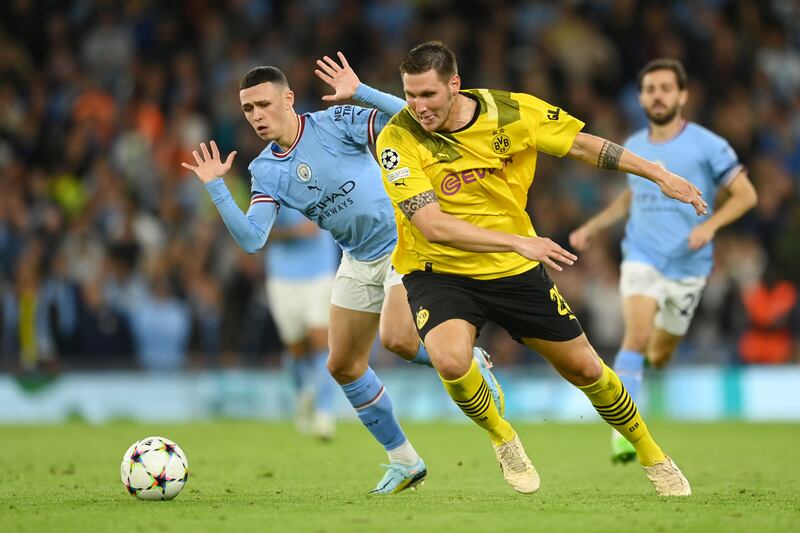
(431,55)
(664,63)
(260,75)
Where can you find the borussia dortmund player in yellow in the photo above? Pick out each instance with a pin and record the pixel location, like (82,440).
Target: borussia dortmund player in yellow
(457,165)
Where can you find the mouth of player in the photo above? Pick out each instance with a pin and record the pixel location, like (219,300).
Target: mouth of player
(427,119)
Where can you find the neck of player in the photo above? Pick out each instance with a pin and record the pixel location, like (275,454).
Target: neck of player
(665,132)
(461,113)
(286,140)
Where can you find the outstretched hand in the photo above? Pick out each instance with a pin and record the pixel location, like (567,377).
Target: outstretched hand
(210,165)
(341,77)
(681,189)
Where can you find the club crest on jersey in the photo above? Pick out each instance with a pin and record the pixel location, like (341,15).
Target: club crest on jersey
(303,172)
(422,317)
(389,159)
(500,142)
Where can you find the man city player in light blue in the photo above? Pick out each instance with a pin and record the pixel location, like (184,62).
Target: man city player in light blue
(320,164)
(300,263)
(667,249)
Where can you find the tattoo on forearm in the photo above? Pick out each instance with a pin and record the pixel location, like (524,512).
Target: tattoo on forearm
(610,154)
(415,203)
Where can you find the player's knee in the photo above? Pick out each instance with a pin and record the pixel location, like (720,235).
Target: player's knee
(452,365)
(588,372)
(344,371)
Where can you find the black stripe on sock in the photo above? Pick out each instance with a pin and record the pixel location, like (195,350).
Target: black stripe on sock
(477,392)
(613,404)
(476,406)
(618,422)
(624,408)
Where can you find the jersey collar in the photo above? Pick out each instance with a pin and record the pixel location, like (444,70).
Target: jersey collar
(665,141)
(281,155)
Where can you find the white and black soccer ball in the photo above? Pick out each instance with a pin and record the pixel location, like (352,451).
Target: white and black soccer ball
(154,468)
(389,159)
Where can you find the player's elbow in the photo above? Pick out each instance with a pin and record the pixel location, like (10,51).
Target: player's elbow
(433,233)
(252,246)
(751,197)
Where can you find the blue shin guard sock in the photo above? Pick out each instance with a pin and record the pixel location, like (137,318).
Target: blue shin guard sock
(629,366)
(298,370)
(422,357)
(324,385)
(374,408)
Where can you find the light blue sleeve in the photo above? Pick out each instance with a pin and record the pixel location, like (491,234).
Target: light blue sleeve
(385,103)
(249,230)
(361,125)
(722,160)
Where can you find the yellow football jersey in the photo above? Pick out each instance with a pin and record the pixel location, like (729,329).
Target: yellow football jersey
(480,173)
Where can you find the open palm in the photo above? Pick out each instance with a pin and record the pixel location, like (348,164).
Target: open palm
(341,77)
(210,165)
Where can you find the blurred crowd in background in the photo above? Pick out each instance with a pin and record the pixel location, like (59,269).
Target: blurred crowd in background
(112,256)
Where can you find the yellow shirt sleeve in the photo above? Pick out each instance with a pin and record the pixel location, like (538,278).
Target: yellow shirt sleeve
(552,129)
(401,168)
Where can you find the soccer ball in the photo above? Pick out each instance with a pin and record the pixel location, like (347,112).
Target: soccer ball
(154,468)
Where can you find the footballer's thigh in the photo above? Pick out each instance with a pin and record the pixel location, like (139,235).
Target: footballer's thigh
(350,337)
(638,313)
(397,330)
(643,292)
(575,359)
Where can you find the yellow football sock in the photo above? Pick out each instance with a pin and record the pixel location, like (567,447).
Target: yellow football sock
(615,405)
(472,395)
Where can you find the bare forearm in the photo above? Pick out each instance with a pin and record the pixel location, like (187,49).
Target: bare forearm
(456,233)
(441,228)
(743,198)
(603,153)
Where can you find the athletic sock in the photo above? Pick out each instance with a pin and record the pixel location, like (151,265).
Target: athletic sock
(629,366)
(614,404)
(422,357)
(472,395)
(324,384)
(405,454)
(374,408)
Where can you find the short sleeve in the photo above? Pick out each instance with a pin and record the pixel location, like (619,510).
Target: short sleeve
(722,160)
(400,164)
(552,128)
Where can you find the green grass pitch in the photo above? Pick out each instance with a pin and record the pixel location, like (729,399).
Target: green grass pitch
(252,476)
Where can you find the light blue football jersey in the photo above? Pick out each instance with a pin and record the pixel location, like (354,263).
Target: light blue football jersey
(300,258)
(658,227)
(330,176)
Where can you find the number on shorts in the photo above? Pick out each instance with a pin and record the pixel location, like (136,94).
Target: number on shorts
(561,303)
(691,302)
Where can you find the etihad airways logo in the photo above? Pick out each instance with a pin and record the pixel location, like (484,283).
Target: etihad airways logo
(453,182)
(332,203)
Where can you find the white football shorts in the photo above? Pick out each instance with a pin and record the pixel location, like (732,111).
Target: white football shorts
(361,285)
(677,299)
(299,305)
